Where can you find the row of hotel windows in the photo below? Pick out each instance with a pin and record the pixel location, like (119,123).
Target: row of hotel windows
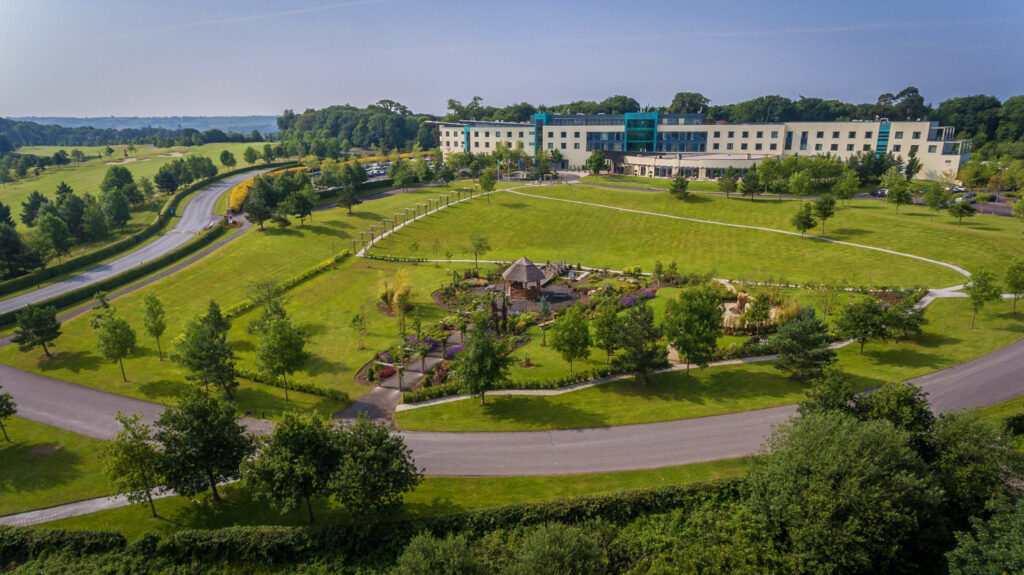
(730,134)
(714,146)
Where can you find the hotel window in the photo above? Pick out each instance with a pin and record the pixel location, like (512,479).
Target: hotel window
(520,134)
(867,135)
(731,134)
(817,147)
(849,147)
(760,134)
(718,134)
(551,134)
(803,140)
(576,146)
(447,144)
(931,149)
(834,148)
(913,147)
(446,134)
(758,146)
(746,134)
(773,146)
(743,146)
(820,135)
(575,134)
(714,146)
(563,145)
(917,135)
(563,134)
(898,135)
(488,134)
(476,144)
(550,145)
(728,146)
(775,134)
(835,135)
(476,134)
(867,147)
(487,144)
(852,135)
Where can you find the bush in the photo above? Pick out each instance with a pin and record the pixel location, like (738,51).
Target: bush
(553,549)
(294,385)
(18,544)
(428,554)
(450,389)
(1014,424)
(247,305)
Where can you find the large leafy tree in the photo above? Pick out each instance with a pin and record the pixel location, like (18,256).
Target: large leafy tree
(862,321)
(7,410)
(37,326)
(689,103)
(56,232)
(596,163)
(693,324)
(202,349)
(638,336)
(256,208)
(295,463)
(375,470)
(153,319)
(132,462)
(824,208)
(803,219)
(802,345)
(115,338)
(844,496)
(202,443)
(483,364)
(751,184)
(993,546)
(301,203)
(570,336)
(899,193)
(281,349)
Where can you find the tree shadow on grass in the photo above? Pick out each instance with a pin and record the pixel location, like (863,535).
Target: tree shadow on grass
(736,386)
(372,216)
(515,409)
(434,507)
(337,224)
(73,361)
(322,230)
(273,230)
(932,340)
(318,365)
(908,358)
(514,205)
(849,232)
(50,466)
(164,388)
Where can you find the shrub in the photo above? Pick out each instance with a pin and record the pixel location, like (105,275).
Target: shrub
(19,544)
(429,554)
(294,384)
(239,309)
(553,549)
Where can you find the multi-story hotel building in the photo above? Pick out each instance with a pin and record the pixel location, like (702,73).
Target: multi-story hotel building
(651,143)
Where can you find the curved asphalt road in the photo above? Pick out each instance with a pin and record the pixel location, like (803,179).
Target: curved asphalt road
(198,214)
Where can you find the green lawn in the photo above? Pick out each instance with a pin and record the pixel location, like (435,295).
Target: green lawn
(546,230)
(1000,412)
(984,241)
(46,466)
(652,183)
(435,496)
(947,341)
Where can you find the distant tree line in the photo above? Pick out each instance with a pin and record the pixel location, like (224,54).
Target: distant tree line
(19,133)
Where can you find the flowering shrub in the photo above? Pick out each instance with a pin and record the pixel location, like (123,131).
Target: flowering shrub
(627,301)
(452,352)
(241,192)
(647,293)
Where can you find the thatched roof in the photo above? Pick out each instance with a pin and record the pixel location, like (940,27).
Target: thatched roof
(523,271)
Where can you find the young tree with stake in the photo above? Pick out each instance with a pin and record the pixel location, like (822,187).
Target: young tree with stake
(133,462)
(153,320)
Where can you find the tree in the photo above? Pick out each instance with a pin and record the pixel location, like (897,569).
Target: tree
(202,444)
(556,549)
(250,155)
(913,165)
(227,159)
(751,185)
(759,311)
(483,364)
(30,208)
(479,246)
(256,209)
(727,183)
(7,410)
(862,321)
(903,405)
(906,319)
(145,186)
(680,187)
(352,177)
(994,545)
(843,496)
(771,175)
(898,188)
(606,328)
(165,179)
(153,320)
(300,204)
(1018,210)
(556,158)
(803,219)
(693,324)
(847,185)
(268,153)
(961,210)
(831,391)
(205,354)
(117,178)
(427,554)
(115,339)
(596,163)
(1015,280)
(824,208)
(486,182)
(689,103)
(802,346)
(37,326)
(116,208)
(571,336)
(268,298)
(296,463)
(132,462)
(638,336)
(281,350)
(800,184)
(981,290)
(375,470)
(56,233)
(936,198)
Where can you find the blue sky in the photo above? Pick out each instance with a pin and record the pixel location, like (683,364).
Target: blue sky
(100,58)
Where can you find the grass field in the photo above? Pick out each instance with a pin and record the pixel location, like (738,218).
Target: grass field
(985,241)
(947,341)
(45,466)
(652,183)
(546,230)
(435,496)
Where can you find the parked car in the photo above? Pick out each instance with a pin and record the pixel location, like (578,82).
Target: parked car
(881,193)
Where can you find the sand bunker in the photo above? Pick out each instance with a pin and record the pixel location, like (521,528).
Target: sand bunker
(124,161)
(173,155)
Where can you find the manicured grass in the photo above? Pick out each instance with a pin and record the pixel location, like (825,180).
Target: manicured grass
(546,230)
(984,241)
(46,466)
(1001,411)
(947,341)
(652,183)
(435,496)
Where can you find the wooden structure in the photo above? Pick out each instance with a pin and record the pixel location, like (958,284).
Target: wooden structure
(523,279)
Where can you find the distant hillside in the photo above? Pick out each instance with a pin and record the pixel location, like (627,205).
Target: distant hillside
(240,124)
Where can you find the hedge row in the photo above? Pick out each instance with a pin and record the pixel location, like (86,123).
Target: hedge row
(293,385)
(240,308)
(86,292)
(74,264)
(449,389)
(363,539)
(394,258)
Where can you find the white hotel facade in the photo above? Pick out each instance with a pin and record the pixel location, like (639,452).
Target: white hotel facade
(655,144)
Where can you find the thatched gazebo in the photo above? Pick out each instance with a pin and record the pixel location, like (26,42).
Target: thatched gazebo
(523,279)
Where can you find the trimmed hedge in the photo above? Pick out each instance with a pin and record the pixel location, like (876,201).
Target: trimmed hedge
(19,544)
(449,389)
(86,292)
(293,385)
(247,305)
(28,280)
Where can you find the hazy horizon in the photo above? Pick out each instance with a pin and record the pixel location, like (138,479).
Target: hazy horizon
(117,58)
